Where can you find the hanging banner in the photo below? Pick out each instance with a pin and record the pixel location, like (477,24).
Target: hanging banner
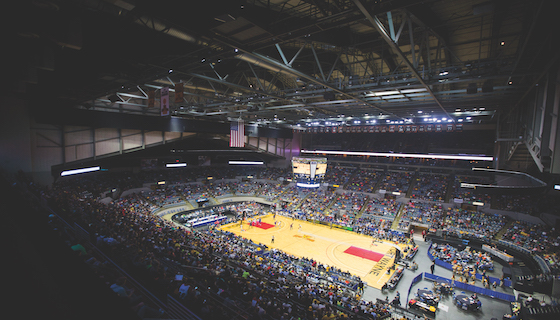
(179,92)
(237,134)
(164,101)
(151,98)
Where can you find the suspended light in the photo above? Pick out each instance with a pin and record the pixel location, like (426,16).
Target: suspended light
(78,171)
(246,162)
(175,165)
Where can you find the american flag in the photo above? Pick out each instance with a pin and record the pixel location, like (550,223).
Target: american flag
(237,134)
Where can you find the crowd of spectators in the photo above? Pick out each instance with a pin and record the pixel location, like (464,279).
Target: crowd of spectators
(219,188)
(454,221)
(275,173)
(475,224)
(317,201)
(168,195)
(423,212)
(339,175)
(367,224)
(432,187)
(292,197)
(363,181)
(381,207)
(270,190)
(396,181)
(248,187)
(194,190)
(537,238)
(349,203)
(469,194)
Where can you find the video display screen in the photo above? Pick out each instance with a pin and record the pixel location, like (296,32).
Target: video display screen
(309,171)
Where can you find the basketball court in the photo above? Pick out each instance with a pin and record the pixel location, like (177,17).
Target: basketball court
(343,249)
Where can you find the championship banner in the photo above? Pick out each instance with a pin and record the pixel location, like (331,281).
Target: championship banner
(151,98)
(179,92)
(164,101)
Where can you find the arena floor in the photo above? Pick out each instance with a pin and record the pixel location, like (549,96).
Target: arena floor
(346,250)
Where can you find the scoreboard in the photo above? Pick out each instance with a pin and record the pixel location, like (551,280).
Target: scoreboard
(309,172)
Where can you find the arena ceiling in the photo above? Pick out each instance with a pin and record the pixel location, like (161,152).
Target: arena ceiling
(282,62)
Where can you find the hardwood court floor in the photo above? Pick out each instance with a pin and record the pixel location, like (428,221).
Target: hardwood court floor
(324,245)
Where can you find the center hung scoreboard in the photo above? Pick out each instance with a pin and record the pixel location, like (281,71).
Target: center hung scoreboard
(309,172)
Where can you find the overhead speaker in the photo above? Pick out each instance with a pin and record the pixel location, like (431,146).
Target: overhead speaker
(113,98)
(328,95)
(472,89)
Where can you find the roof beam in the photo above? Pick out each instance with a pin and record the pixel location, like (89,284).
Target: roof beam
(275,65)
(385,35)
(229,84)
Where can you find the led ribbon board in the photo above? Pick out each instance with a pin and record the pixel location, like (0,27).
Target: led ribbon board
(404,155)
